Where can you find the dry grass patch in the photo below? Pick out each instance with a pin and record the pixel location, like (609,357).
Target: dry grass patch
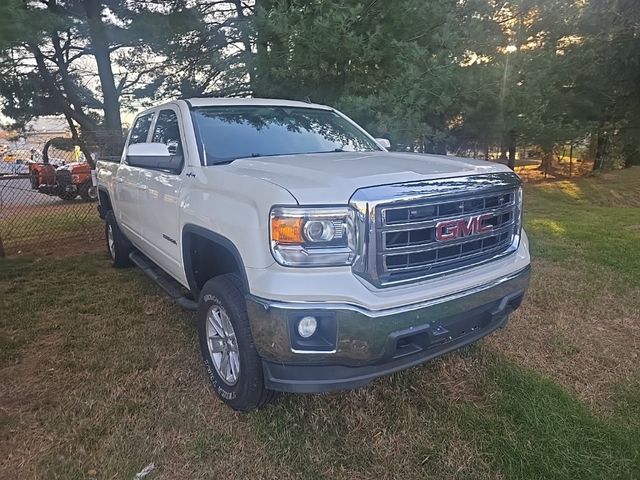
(108,381)
(403,426)
(25,390)
(577,327)
(580,323)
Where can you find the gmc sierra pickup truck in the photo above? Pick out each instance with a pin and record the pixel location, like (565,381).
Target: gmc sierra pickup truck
(316,259)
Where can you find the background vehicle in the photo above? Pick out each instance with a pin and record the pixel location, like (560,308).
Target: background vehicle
(65,181)
(9,157)
(316,260)
(19,167)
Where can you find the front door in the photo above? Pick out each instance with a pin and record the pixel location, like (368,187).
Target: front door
(127,184)
(161,225)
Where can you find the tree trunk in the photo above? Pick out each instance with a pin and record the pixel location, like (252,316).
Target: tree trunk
(87,124)
(547,160)
(503,152)
(486,151)
(102,54)
(246,41)
(602,141)
(81,143)
(511,139)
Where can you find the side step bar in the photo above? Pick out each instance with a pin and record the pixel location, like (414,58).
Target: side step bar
(164,281)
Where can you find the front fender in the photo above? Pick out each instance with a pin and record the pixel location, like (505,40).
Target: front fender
(235,207)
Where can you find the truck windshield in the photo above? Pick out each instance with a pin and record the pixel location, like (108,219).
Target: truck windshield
(232,132)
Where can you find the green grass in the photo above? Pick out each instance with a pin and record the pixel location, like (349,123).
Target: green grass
(534,429)
(100,372)
(582,220)
(26,229)
(628,401)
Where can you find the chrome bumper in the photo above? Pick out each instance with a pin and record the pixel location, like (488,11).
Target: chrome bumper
(372,343)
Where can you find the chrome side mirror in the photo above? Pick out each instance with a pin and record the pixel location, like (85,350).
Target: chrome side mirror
(153,155)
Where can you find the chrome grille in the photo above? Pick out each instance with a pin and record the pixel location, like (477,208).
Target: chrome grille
(401,243)
(409,233)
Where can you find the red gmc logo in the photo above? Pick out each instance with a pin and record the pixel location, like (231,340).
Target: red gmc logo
(463,227)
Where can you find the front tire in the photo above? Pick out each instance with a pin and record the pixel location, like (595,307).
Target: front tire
(118,246)
(226,343)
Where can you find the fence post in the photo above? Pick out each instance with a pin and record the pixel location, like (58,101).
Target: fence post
(2,254)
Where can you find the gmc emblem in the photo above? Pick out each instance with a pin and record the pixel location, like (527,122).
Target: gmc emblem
(463,227)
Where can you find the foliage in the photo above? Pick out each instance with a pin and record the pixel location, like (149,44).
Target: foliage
(436,76)
(87,59)
(459,75)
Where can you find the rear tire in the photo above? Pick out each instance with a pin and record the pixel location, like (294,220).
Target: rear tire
(223,329)
(88,192)
(118,246)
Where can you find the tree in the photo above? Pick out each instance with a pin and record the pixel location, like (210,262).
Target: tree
(609,60)
(72,57)
(394,66)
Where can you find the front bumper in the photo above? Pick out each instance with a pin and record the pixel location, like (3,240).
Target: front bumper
(366,344)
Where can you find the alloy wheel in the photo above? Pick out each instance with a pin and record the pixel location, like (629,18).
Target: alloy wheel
(111,241)
(223,345)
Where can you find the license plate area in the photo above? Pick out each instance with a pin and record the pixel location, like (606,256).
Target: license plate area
(438,334)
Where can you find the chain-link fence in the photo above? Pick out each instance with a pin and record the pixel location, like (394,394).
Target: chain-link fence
(47,201)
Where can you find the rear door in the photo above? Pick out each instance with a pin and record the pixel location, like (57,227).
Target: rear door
(160,202)
(127,182)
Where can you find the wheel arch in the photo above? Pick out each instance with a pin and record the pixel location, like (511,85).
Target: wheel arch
(198,265)
(104,202)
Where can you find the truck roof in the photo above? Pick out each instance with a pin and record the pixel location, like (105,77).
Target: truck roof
(221,101)
(206,102)
(230,102)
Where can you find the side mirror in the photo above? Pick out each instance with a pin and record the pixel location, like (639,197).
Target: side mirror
(153,155)
(384,143)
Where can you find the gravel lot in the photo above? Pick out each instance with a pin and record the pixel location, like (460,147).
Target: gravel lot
(17,191)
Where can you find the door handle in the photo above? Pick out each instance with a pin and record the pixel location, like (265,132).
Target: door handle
(119,179)
(142,186)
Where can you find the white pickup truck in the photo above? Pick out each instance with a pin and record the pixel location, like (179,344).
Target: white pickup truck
(316,259)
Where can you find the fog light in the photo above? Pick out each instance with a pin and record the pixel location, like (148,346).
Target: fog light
(307,326)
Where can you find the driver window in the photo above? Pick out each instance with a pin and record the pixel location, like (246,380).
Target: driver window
(140,129)
(167,131)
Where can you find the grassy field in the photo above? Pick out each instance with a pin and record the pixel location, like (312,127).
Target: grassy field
(46,229)
(100,375)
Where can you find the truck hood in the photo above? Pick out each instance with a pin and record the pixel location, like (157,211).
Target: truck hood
(331,178)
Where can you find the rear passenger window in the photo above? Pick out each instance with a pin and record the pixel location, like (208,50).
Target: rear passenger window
(140,129)
(167,131)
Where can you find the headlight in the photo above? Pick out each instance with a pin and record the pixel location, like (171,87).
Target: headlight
(313,237)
